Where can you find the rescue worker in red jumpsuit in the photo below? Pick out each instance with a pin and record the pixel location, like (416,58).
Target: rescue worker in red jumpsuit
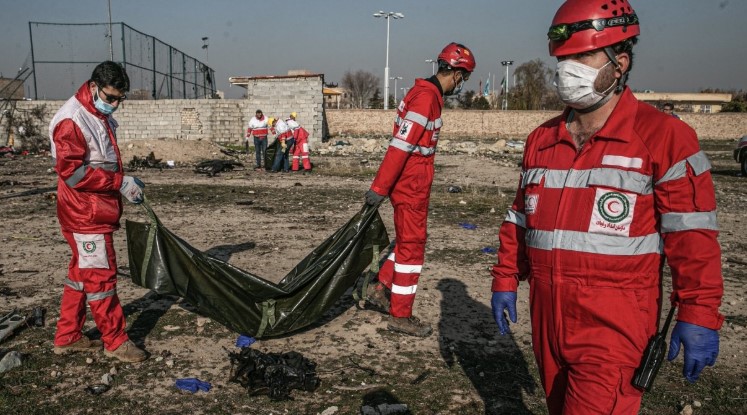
(405,176)
(300,148)
(90,179)
(608,191)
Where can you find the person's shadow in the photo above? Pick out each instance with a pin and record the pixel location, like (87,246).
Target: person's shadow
(494,363)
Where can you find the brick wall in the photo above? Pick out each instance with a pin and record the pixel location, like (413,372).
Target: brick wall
(224,120)
(278,97)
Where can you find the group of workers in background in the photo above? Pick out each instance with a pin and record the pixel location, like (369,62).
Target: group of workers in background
(292,139)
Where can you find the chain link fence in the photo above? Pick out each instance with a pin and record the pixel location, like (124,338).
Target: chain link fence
(63,56)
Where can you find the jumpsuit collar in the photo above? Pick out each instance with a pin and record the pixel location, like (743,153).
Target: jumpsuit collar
(85,97)
(618,127)
(435,82)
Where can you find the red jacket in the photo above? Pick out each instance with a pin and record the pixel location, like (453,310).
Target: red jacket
(301,135)
(640,191)
(414,136)
(88,166)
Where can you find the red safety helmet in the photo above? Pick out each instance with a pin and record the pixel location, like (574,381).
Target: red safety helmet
(584,25)
(458,56)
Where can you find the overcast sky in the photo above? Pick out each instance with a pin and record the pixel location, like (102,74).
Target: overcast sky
(685,45)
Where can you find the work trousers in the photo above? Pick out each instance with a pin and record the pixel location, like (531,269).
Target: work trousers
(401,271)
(281,157)
(588,340)
(260,148)
(92,279)
(301,153)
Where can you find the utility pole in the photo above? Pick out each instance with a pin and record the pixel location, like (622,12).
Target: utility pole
(505,88)
(111,46)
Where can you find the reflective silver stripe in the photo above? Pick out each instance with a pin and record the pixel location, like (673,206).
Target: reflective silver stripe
(106,165)
(673,222)
(581,179)
(698,161)
(398,289)
(594,243)
(622,179)
(407,268)
(390,257)
(418,118)
(532,176)
(677,171)
(77,176)
(557,179)
(100,296)
(422,120)
(80,172)
(515,217)
(410,148)
(77,286)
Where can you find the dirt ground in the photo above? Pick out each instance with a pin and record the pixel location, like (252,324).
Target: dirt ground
(464,367)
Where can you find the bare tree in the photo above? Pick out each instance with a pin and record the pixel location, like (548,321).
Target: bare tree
(533,90)
(360,85)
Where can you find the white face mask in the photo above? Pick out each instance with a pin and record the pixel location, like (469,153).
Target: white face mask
(574,82)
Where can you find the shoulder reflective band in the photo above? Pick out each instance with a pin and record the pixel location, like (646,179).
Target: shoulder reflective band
(698,161)
(594,243)
(673,222)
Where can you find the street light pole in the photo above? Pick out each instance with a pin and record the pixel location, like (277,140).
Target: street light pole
(504,106)
(387,16)
(395,88)
(111,47)
(205,46)
(433,64)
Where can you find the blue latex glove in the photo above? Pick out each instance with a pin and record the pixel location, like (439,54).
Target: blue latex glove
(701,348)
(245,341)
(192,385)
(504,300)
(132,189)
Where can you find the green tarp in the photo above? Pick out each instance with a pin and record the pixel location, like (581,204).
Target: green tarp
(247,303)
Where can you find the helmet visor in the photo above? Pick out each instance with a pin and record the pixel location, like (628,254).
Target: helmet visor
(564,31)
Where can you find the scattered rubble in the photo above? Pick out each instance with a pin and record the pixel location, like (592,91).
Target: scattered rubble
(213,167)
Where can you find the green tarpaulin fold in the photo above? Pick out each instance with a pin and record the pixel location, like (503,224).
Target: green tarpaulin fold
(242,301)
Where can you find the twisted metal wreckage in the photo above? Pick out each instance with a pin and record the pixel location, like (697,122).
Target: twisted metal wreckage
(247,303)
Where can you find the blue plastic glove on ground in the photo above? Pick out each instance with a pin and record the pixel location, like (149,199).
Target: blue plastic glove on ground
(701,348)
(192,385)
(504,300)
(132,189)
(245,341)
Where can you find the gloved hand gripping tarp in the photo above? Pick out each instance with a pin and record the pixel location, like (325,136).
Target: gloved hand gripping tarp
(247,303)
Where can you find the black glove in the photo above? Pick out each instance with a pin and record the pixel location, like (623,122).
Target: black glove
(373,198)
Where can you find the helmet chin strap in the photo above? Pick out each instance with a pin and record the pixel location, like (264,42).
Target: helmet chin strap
(624,78)
(620,83)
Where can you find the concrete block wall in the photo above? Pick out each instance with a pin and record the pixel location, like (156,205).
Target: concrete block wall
(278,97)
(184,119)
(224,121)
